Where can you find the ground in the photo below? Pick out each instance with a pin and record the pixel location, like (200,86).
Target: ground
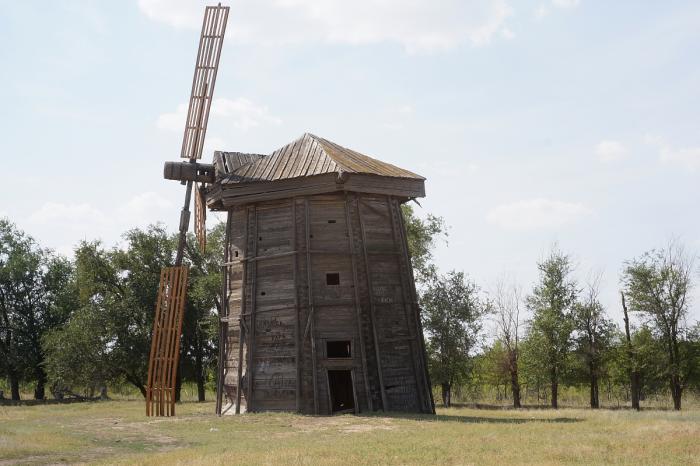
(118,432)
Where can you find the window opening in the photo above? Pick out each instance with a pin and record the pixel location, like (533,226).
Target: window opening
(333,279)
(339,349)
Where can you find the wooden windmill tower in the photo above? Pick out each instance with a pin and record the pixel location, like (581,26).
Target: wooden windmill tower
(167,324)
(319,310)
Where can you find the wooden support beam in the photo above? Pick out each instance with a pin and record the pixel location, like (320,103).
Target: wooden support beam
(252,237)
(356,296)
(297,336)
(307,231)
(241,322)
(223,319)
(385,402)
(398,239)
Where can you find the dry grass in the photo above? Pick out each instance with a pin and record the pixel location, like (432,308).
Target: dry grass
(118,432)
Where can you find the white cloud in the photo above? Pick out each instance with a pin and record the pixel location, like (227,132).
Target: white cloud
(687,157)
(417,25)
(405,109)
(540,213)
(506,33)
(72,215)
(542,9)
(62,225)
(174,121)
(142,209)
(610,151)
(565,3)
(177,13)
(241,113)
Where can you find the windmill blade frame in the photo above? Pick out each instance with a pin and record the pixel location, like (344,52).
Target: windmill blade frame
(210,42)
(172,290)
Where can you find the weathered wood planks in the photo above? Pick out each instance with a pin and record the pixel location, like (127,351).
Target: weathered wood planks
(320,269)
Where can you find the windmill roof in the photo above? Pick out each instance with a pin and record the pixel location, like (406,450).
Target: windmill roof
(309,155)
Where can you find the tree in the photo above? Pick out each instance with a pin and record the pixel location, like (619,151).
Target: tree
(631,360)
(201,324)
(594,335)
(36,295)
(421,236)
(452,318)
(78,356)
(117,292)
(658,285)
(506,306)
(551,304)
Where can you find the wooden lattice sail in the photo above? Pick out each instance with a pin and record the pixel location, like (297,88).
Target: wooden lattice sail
(165,343)
(167,325)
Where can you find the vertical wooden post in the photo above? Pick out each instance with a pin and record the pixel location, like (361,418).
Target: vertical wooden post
(241,321)
(356,297)
(311,302)
(253,275)
(297,336)
(223,324)
(370,290)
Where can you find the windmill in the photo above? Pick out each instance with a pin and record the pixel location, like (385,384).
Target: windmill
(172,291)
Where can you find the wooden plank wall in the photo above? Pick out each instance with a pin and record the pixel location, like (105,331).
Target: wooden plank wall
(396,330)
(286,249)
(235,270)
(334,305)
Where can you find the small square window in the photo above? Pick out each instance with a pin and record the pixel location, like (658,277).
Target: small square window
(338,349)
(333,279)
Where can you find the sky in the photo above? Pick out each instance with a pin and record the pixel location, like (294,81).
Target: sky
(567,122)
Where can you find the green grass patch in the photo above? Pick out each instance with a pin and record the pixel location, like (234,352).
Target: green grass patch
(117,432)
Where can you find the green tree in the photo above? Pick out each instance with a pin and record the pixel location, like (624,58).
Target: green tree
(551,303)
(117,292)
(201,324)
(36,295)
(78,353)
(421,236)
(452,317)
(657,285)
(594,336)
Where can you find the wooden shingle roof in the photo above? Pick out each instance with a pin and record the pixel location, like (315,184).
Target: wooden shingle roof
(227,162)
(309,155)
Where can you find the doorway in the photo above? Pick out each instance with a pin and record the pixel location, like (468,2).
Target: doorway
(342,391)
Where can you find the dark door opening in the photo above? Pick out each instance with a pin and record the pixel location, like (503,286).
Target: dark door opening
(342,392)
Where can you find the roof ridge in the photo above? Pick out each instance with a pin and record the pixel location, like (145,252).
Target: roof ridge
(322,142)
(311,155)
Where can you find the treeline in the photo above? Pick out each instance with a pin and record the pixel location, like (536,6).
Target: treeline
(77,326)
(559,333)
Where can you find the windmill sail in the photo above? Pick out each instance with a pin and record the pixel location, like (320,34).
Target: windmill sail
(210,42)
(172,292)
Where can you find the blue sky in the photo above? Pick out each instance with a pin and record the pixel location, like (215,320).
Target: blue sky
(535,122)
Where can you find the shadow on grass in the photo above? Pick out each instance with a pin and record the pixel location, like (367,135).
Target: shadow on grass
(481,419)
(545,407)
(63,401)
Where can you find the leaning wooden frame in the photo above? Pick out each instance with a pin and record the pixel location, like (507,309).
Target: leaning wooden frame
(165,343)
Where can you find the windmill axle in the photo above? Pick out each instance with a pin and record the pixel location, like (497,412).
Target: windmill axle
(186,171)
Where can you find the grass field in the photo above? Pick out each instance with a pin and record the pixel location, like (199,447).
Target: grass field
(118,432)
